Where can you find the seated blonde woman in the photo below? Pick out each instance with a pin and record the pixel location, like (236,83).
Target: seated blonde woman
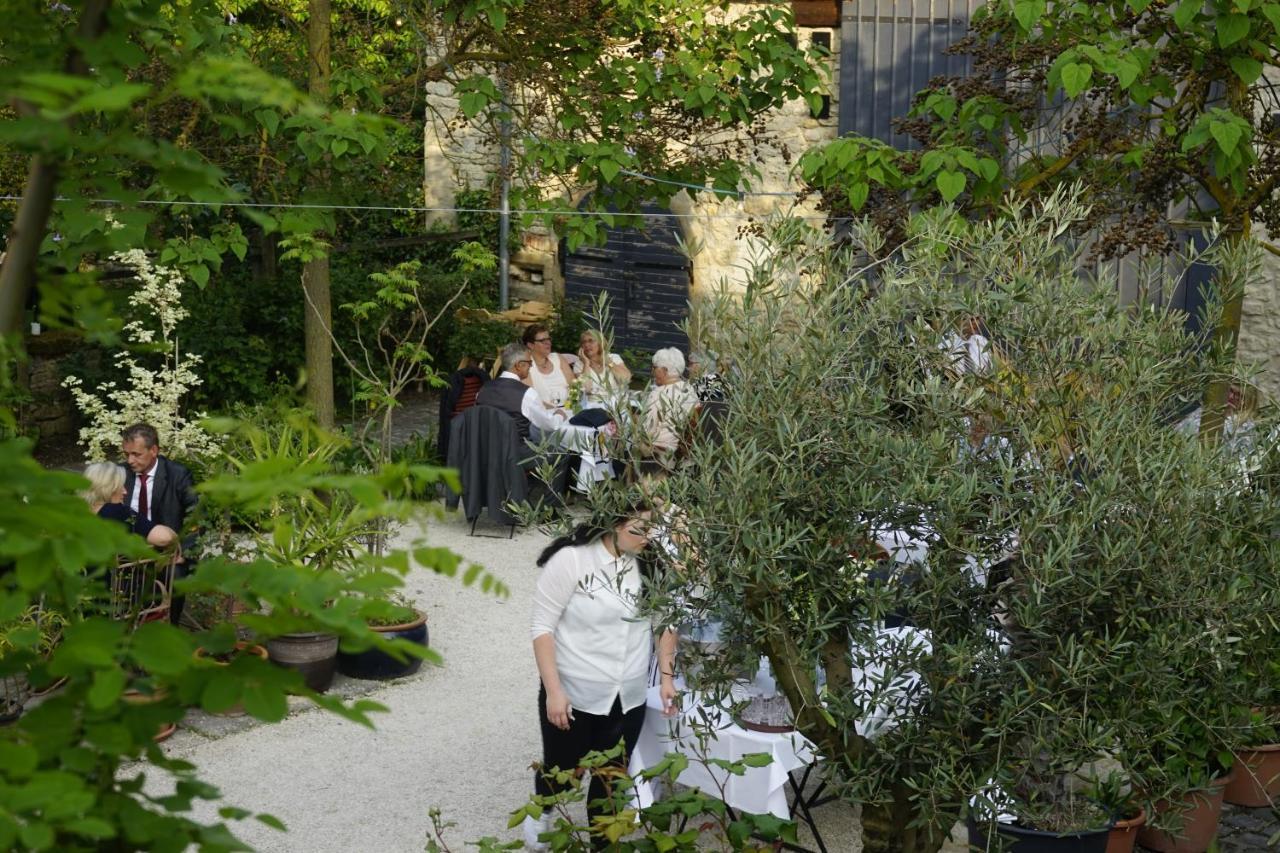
(603,373)
(105,497)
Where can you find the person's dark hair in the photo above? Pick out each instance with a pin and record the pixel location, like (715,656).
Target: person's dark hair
(146,432)
(532,332)
(585,534)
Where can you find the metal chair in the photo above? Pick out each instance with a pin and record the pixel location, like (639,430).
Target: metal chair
(142,590)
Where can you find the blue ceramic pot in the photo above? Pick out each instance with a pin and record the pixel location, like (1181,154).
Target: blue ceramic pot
(377,665)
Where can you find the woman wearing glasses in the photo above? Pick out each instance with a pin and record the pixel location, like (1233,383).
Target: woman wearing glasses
(551,374)
(592,643)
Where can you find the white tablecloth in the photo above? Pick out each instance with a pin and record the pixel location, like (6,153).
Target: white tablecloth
(760,790)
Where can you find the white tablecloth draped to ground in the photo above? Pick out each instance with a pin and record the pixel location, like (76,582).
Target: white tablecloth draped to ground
(760,790)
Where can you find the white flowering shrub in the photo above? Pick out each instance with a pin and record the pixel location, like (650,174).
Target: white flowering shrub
(150,395)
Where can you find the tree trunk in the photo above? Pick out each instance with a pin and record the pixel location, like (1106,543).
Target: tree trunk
(315,272)
(22,248)
(885,828)
(319,348)
(1226,335)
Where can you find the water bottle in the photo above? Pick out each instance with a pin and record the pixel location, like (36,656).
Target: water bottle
(765,685)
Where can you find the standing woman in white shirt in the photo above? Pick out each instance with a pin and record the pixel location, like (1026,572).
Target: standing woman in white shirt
(592,646)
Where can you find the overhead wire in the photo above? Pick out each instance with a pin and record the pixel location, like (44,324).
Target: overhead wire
(412,209)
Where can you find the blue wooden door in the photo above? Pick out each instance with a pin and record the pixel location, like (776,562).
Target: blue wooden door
(646,277)
(889,51)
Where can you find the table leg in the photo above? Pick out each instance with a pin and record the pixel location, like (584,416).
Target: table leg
(802,805)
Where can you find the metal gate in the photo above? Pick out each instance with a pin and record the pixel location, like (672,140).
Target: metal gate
(889,50)
(646,277)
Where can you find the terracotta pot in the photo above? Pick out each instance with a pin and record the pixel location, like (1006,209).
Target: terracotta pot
(236,710)
(137,697)
(1124,835)
(1257,777)
(1200,811)
(312,654)
(376,664)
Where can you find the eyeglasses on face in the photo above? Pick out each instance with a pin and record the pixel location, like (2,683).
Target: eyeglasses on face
(542,340)
(525,361)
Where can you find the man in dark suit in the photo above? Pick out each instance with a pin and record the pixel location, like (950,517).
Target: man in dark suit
(510,393)
(157,489)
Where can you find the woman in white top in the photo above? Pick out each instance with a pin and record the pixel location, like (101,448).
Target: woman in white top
(592,645)
(551,374)
(670,404)
(603,373)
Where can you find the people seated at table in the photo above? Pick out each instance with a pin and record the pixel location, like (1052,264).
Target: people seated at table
(591,643)
(670,403)
(105,497)
(551,374)
(603,374)
(968,349)
(707,382)
(511,393)
(1238,422)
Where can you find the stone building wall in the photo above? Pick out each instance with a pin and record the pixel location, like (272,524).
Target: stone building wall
(1260,325)
(51,414)
(461,158)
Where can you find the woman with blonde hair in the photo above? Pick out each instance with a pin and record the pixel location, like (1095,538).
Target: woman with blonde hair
(105,497)
(603,373)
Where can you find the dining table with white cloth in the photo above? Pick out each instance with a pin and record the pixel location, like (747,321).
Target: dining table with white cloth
(702,731)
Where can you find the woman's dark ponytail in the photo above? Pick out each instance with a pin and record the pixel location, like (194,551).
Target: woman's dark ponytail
(582,534)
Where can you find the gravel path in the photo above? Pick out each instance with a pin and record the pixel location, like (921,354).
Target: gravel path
(459,737)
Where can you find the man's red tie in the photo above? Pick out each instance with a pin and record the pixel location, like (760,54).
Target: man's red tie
(142,497)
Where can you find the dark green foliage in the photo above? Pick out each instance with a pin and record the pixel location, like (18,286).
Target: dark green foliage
(571,321)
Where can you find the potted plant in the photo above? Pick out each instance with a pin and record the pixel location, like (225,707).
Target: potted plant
(1191,770)
(26,641)
(1114,794)
(226,658)
(1043,812)
(317,537)
(1256,781)
(394,619)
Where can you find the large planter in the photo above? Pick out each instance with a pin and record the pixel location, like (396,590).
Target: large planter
(312,654)
(1009,838)
(236,710)
(1124,835)
(1256,780)
(375,664)
(1200,811)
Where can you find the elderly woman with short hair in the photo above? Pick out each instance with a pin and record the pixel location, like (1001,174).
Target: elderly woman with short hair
(105,497)
(670,403)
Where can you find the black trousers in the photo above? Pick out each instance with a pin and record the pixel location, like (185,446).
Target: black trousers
(587,733)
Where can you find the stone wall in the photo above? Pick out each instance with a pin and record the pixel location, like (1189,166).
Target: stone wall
(461,158)
(51,415)
(1260,325)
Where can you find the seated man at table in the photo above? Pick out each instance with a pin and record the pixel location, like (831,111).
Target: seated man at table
(510,394)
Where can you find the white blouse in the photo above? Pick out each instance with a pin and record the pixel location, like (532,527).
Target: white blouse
(589,601)
(553,387)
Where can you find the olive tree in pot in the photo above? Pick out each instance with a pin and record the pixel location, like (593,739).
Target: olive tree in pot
(1060,523)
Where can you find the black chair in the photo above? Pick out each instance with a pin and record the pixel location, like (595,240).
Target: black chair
(486,448)
(464,384)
